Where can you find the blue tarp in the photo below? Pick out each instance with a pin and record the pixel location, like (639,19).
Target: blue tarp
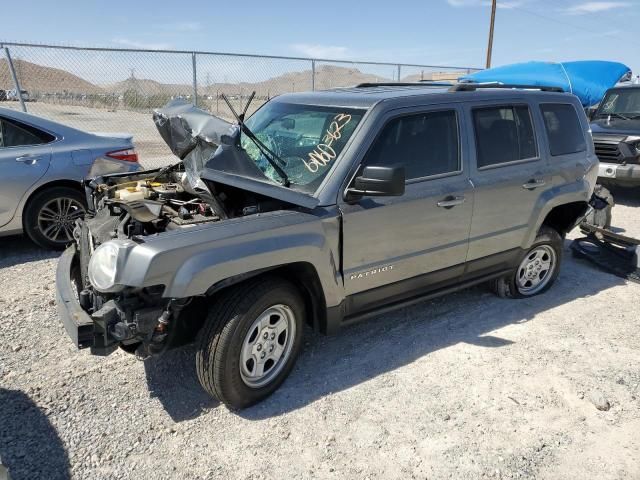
(588,80)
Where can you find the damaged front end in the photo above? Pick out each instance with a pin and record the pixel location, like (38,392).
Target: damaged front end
(138,320)
(126,210)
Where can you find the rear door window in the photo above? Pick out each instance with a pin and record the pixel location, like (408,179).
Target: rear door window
(426,144)
(563,128)
(503,134)
(18,134)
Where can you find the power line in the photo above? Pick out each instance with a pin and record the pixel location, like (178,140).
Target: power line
(561,22)
(602,13)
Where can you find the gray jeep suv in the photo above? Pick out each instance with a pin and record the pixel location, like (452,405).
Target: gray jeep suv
(322,209)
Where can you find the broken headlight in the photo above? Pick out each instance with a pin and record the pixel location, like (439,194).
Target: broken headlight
(105,264)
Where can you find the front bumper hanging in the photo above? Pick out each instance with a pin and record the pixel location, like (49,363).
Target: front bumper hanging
(77,322)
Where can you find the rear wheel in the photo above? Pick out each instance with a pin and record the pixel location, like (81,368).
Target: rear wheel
(49,218)
(538,268)
(250,342)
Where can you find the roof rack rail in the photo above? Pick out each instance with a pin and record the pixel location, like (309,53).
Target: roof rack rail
(470,87)
(420,83)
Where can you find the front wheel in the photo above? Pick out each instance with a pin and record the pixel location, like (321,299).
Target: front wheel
(250,342)
(538,268)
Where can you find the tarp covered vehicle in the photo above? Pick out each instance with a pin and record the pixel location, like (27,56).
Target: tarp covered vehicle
(588,79)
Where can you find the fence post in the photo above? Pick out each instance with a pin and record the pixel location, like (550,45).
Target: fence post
(195,79)
(313,75)
(15,79)
(399,72)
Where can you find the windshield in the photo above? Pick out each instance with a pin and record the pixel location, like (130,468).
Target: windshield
(307,139)
(625,103)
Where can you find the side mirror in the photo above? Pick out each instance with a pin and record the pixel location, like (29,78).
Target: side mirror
(378,182)
(591,112)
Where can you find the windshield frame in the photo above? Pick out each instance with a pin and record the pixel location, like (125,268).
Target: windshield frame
(299,188)
(600,113)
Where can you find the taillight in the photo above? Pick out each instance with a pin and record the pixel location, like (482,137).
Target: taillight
(128,155)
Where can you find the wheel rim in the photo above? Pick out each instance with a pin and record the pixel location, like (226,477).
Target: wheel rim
(57,218)
(536,270)
(267,346)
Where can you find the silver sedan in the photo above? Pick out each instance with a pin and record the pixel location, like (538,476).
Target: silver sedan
(41,166)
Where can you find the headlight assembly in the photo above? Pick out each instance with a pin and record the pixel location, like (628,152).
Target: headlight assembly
(105,265)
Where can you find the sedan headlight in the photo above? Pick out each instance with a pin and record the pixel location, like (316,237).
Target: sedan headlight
(105,264)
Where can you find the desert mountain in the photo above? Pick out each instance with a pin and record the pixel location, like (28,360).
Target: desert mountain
(38,78)
(146,86)
(327,76)
(42,79)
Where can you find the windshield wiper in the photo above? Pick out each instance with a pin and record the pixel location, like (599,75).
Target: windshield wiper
(266,152)
(615,115)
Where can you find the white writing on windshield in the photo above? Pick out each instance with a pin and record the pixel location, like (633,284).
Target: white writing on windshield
(324,152)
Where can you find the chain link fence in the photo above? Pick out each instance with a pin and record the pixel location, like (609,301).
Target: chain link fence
(115,90)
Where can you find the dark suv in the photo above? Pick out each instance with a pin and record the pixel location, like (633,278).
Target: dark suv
(616,134)
(323,209)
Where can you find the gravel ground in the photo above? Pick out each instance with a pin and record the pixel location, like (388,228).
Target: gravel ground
(466,386)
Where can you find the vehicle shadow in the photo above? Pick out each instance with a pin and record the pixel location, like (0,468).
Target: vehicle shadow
(629,197)
(388,342)
(385,343)
(16,250)
(171,378)
(29,445)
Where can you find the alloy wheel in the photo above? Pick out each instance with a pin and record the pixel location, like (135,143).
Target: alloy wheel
(267,346)
(536,270)
(57,218)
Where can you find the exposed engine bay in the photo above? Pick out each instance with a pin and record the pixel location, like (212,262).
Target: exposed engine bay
(135,206)
(146,204)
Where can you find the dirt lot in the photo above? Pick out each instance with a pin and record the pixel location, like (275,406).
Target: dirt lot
(466,386)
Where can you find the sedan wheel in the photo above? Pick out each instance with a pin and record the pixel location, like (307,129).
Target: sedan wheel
(56,219)
(50,216)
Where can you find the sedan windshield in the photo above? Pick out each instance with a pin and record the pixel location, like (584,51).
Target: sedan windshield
(623,103)
(306,139)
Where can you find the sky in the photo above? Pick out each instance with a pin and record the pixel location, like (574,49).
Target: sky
(432,32)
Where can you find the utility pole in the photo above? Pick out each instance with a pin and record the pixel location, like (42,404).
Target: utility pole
(493,21)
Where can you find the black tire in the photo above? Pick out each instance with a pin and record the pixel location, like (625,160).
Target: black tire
(228,324)
(509,287)
(32,225)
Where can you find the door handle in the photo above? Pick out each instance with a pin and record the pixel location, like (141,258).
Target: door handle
(533,184)
(451,201)
(28,159)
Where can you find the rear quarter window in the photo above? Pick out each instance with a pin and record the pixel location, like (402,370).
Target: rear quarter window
(563,127)
(18,134)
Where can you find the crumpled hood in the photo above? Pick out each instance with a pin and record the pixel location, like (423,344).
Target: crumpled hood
(192,134)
